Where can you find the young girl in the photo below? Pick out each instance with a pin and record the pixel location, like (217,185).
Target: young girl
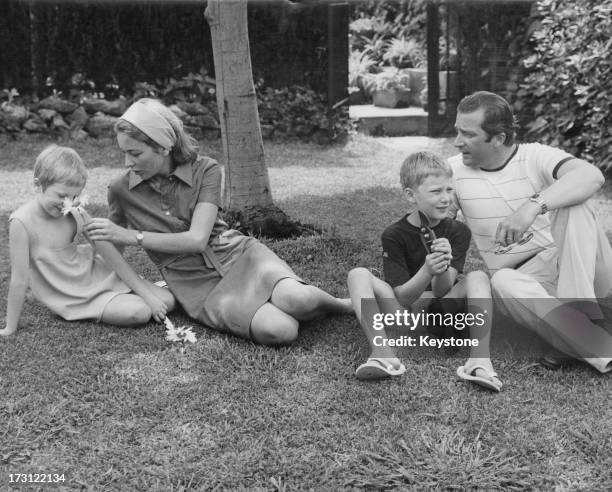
(72,279)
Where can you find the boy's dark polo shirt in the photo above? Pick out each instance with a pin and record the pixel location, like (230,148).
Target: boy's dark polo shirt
(404,253)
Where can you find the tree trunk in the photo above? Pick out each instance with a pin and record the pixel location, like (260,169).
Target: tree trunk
(248,198)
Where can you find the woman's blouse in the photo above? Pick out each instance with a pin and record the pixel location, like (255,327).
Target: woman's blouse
(166,204)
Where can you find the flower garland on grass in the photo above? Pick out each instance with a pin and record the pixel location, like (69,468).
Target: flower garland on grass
(181,334)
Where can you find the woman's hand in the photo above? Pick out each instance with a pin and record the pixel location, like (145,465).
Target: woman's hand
(106,230)
(157,306)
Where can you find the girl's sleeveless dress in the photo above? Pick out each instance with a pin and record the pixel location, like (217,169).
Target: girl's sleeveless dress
(73,281)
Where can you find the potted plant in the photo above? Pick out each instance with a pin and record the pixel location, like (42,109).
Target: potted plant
(360,65)
(408,56)
(391,89)
(403,53)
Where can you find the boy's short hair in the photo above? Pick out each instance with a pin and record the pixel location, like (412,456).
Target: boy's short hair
(418,166)
(57,164)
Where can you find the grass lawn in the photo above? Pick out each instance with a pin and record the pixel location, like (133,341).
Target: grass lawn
(120,409)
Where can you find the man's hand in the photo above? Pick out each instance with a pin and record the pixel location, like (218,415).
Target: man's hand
(106,230)
(512,228)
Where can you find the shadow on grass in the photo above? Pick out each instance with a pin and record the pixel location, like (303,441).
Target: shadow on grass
(361,214)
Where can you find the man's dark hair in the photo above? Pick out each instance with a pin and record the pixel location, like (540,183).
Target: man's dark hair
(498,117)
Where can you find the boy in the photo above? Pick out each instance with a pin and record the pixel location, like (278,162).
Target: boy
(423,254)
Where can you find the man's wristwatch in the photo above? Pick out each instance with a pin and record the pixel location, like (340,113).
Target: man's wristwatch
(537,198)
(139,238)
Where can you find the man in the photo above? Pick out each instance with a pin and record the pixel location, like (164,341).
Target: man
(526,206)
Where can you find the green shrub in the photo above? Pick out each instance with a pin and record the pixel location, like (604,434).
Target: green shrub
(298,112)
(567,88)
(376,23)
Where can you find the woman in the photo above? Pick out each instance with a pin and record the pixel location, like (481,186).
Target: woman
(168,202)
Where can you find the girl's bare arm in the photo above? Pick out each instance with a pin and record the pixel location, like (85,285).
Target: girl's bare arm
(142,288)
(20,268)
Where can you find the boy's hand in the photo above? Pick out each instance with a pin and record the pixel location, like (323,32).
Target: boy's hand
(443,247)
(437,263)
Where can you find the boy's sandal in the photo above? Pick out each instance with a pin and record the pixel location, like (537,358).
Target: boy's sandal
(491,381)
(550,361)
(553,359)
(376,368)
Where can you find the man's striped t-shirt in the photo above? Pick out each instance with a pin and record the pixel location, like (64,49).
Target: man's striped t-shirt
(487,197)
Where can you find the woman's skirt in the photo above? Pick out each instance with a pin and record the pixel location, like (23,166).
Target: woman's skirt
(224,292)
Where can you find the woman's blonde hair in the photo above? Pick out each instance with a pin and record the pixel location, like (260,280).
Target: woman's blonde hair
(57,164)
(186,147)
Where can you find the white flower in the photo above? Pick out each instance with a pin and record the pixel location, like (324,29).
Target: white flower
(172,336)
(169,324)
(181,334)
(189,336)
(68,204)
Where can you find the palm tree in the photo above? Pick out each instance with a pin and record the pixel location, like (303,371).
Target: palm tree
(247,184)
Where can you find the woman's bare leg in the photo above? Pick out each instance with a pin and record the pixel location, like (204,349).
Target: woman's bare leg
(306,302)
(271,326)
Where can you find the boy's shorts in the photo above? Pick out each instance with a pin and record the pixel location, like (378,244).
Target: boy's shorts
(444,306)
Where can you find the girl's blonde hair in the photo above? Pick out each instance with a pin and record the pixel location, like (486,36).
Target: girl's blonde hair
(57,164)
(186,147)
(420,165)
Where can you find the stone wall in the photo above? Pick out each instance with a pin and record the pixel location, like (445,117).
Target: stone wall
(95,117)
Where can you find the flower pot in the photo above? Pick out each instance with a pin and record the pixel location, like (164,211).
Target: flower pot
(391,98)
(418,83)
(448,79)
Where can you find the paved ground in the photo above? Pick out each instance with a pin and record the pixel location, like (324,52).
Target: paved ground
(409,143)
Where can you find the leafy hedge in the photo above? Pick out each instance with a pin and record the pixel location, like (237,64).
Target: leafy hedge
(566,92)
(300,113)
